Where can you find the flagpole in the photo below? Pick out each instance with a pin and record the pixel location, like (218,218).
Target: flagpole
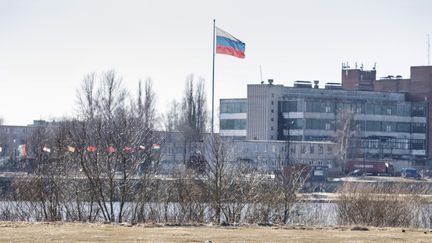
(213,74)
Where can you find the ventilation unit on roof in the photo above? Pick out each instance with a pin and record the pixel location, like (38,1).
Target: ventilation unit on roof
(303,84)
(333,86)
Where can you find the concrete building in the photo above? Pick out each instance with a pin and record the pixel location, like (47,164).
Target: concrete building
(273,154)
(12,137)
(388,122)
(418,88)
(233,118)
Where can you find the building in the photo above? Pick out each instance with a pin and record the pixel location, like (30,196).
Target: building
(233,118)
(11,137)
(273,154)
(388,123)
(418,88)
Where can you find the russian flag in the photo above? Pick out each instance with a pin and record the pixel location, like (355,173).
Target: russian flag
(228,44)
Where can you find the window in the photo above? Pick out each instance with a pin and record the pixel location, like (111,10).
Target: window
(360,125)
(388,110)
(418,127)
(311,148)
(388,128)
(418,144)
(329,149)
(403,127)
(293,123)
(233,124)
(319,124)
(303,149)
(320,149)
(418,110)
(360,108)
(233,107)
(404,109)
(319,106)
(373,126)
(292,149)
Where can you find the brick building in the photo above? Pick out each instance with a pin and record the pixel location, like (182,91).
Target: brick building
(418,88)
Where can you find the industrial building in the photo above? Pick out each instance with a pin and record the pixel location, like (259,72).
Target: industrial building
(389,118)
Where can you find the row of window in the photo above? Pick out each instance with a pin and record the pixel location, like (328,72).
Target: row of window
(389,143)
(324,106)
(381,126)
(310,149)
(233,107)
(294,148)
(233,124)
(359,125)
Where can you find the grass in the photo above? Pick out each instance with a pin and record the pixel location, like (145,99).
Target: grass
(81,232)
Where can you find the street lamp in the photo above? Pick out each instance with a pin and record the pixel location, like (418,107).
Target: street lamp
(288,125)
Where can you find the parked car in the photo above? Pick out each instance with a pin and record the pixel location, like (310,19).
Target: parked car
(356,172)
(410,173)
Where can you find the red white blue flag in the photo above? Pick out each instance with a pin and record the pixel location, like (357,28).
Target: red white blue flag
(228,44)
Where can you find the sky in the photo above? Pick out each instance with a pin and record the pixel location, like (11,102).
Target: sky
(48,46)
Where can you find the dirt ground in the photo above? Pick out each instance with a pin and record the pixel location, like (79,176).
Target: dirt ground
(77,232)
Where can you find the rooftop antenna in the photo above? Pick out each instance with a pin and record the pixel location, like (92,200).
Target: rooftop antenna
(428,45)
(261,79)
(374,67)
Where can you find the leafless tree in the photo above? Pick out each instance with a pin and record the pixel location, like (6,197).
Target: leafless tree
(383,205)
(114,140)
(345,132)
(288,183)
(217,177)
(189,117)
(244,192)
(172,117)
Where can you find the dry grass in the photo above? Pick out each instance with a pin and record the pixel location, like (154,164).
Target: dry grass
(77,232)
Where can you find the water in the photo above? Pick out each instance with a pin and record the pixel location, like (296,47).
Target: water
(306,213)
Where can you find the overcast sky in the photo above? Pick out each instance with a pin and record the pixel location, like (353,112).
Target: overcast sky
(46,47)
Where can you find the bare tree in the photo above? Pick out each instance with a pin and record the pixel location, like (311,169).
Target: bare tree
(345,132)
(217,178)
(172,117)
(114,140)
(383,205)
(194,116)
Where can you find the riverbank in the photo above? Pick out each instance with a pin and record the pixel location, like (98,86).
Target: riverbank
(82,232)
